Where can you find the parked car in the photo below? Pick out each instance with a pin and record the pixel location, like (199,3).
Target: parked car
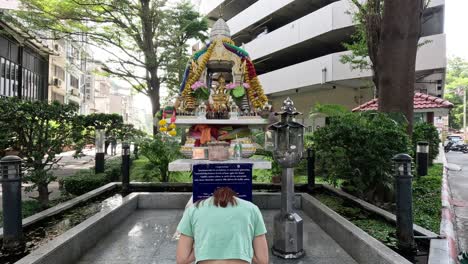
(454,138)
(455,143)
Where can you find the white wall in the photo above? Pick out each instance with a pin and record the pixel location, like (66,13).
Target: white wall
(309,73)
(254,13)
(324,20)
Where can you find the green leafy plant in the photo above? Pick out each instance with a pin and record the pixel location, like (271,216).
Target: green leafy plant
(84,181)
(427,132)
(357,148)
(39,131)
(160,152)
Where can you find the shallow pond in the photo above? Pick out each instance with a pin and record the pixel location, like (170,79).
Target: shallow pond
(42,232)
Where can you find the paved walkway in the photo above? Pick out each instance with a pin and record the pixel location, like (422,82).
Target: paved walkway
(147,236)
(458,181)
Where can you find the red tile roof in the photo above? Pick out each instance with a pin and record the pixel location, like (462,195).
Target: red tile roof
(421,101)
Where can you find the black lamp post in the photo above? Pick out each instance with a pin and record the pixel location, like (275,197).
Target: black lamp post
(13,239)
(288,138)
(404,202)
(100,146)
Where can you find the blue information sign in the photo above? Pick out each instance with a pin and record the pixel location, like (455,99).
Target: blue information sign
(208,177)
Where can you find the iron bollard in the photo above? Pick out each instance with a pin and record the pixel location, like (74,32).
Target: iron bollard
(125,168)
(100,141)
(310,169)
(404,202)
(135,150)
(13,239)
(422,157)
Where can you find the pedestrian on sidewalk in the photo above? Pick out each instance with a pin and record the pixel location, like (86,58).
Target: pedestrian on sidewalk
(222,229)
(113,142)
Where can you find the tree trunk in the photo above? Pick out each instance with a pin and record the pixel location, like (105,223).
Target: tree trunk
(401,26)
(164,174)
(43,197)
(156,106)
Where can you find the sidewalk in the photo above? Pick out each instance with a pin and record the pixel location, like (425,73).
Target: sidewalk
(458,181)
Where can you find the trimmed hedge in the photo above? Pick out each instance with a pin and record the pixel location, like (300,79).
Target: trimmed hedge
(86,180)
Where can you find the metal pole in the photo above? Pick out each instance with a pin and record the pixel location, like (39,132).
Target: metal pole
(288,225)
(135,150)
(422,157)
(125,168)
(287,190)
(100,141)
(310,169)
(404,203)
(13,239)
(464,115)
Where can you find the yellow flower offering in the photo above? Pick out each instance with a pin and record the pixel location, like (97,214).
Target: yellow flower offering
(162,122)
(173,133)
(163,129)
(172,126)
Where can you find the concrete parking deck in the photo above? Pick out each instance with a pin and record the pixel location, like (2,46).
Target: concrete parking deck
(147,236)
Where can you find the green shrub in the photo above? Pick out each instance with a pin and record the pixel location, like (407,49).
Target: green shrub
(84,181)
(357,148)
(427,132)
(113,169)
(160,152)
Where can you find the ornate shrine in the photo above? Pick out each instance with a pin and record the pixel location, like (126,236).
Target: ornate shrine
(220,100)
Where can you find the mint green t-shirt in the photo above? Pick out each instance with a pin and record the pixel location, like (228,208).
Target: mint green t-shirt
(223,233)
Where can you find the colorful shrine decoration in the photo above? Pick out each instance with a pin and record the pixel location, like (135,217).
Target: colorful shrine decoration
(220,101)
(221,65)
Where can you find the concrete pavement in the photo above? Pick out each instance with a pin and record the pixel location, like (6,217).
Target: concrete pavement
(458,181)
(146,237)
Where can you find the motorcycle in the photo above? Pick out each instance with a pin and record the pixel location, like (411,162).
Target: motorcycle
(448,147)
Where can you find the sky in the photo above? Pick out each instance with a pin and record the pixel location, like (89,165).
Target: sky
(456,28)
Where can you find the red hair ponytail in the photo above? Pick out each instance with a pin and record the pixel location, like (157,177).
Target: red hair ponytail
(222,197)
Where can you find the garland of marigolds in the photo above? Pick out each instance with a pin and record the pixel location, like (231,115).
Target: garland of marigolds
(195,73)
(255,93)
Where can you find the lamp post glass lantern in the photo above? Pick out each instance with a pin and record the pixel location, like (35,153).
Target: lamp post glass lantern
(288,139)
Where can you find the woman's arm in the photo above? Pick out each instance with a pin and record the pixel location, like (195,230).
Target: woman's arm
(260,246)
(185,251)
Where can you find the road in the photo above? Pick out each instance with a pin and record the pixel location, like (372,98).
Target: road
(67,166)
(458,181)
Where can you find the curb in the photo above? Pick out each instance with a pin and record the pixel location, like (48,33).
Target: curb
(447,225)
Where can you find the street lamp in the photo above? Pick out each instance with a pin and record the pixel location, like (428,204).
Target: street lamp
(288,138)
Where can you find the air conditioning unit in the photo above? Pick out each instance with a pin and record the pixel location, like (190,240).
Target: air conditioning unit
(58,48)
(75,92)
(57,82)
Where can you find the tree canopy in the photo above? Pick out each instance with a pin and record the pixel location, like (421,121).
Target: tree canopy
(456,80)
(39,132)
(145,39)
(387,33)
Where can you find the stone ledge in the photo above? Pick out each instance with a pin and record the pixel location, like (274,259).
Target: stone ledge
(379,211)
(65,206)
(360,245)
(69,246)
